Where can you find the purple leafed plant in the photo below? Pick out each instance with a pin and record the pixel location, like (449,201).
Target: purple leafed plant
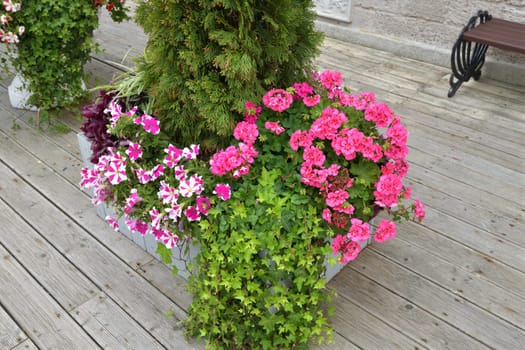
(95,126)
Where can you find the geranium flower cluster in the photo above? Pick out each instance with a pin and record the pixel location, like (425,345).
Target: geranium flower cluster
(9,31)
(156,194)
(350,148)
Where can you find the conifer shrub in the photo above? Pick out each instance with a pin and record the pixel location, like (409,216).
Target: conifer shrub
(204,59)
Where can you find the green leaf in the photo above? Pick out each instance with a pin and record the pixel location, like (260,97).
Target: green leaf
(365,170)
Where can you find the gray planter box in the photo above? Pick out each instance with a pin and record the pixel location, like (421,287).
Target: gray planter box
(148,242)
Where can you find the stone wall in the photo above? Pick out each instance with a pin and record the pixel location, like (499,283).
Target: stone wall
(421,29)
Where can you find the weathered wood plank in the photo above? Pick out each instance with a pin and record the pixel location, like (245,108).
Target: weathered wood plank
(339,343)
(171,285)
(454,168)
(367,331)
(38,314)
(467,248)
(26,345)
(128,289)
(382,85)
(472,286)
(65,283)
(10,333)
(450,308)
(474,197)
(111,327)
(400,313)
(69,198)
(492,221)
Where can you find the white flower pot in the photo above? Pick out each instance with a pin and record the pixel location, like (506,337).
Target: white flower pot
(19,95)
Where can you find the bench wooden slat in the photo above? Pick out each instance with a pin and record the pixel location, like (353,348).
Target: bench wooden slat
(499,33)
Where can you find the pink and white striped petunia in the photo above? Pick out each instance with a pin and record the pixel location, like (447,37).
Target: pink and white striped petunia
(167,193)
(112,222)
(134,151)
(169,239)
(191,186)
(150,124)
(116,173)
(173,156)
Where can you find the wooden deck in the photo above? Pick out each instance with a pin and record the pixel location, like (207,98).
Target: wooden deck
(67,281)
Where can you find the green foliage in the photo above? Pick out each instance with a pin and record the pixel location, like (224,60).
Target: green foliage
(206,58)
(260,268)
(54,48)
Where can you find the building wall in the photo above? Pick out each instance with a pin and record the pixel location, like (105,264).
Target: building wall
(421,29)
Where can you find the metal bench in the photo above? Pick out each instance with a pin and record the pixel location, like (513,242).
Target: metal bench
(482,31)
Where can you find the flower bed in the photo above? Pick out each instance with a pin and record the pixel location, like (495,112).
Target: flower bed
(312,165)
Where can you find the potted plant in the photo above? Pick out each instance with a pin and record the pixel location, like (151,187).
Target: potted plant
(312,165)
(53,42)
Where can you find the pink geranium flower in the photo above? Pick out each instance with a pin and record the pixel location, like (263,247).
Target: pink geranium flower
(419,210)
(300,138)
(359,231)
(222,191)
(386,229)
(277,100)
(274,127)
(379,113)
(336,198)
(246,132)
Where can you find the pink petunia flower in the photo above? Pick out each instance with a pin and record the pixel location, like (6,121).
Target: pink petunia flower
(156,172)
(169,239)
(191,186)
(174,212)
(173,155)
(143,175)
(192,214)
(116,173)
(203,205)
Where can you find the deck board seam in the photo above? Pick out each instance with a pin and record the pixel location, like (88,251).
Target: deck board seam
(445,289)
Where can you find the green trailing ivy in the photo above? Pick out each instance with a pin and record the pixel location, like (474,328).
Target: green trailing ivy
(261,265)
(206,58)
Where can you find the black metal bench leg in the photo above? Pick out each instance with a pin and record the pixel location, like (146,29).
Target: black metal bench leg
(467,58)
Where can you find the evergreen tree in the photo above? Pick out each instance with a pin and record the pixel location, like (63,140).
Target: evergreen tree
(206,58)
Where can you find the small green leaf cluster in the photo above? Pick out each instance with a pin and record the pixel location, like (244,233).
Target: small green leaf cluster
(259,278)
(204,59)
